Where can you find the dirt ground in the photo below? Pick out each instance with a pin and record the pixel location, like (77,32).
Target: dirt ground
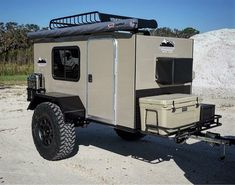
(103,158)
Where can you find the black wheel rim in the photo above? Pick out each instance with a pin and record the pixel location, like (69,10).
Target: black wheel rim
(45,131)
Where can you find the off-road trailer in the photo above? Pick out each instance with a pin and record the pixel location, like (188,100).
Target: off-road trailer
(109,69)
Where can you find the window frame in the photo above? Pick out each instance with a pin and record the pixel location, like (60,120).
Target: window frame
(52,63)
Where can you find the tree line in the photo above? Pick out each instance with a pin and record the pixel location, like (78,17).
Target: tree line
(15,47)
(168,32)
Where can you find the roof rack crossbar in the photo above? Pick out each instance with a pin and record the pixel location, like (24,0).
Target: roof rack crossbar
(95,17)
(75,20)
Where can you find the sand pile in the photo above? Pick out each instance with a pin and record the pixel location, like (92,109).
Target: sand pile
(214,63)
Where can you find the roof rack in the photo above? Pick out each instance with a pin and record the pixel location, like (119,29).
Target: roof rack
(96,17)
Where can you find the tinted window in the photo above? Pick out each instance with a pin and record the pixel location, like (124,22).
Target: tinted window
(66,63)
(164,69)
(174,70)
(183,71)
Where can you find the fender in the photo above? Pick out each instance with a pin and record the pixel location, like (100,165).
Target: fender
(70,105)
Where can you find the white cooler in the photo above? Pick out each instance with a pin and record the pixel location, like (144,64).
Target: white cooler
(165,114)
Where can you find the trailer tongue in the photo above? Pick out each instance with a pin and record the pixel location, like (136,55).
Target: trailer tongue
(214,139)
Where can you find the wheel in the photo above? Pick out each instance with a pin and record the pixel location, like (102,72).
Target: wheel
(129,136)
(53,138)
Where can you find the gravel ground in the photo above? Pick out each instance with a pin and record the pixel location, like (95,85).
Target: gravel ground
(103,158)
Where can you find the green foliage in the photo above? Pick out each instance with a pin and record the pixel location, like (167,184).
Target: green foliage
(15,48)
(15,69)
(189,32)
(16,52)
(32,27)
(167,32)
(13,80)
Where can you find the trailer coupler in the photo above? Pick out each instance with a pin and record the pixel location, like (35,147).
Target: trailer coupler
(214,139)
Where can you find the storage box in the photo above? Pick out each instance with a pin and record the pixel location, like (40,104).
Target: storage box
(165,114)
(207,113)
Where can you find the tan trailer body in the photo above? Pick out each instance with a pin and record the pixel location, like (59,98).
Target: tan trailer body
(148,50)
(120,65)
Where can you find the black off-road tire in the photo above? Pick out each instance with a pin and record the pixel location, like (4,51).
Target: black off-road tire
(53,138)
(129,136)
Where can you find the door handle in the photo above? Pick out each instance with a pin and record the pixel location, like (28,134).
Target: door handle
(90,78)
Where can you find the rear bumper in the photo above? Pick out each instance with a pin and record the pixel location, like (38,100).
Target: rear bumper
(190,128)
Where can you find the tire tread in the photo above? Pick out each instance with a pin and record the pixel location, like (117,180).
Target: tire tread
(66,131)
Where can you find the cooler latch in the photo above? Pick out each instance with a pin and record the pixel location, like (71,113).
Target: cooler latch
(173,106)
(197,104)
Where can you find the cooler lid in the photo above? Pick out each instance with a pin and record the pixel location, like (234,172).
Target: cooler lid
(167,99)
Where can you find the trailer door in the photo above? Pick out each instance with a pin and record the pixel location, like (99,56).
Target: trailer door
(101,80)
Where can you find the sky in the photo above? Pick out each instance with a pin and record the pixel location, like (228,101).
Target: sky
(203,15)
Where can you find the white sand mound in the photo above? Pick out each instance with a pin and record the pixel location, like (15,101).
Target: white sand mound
(214,63)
